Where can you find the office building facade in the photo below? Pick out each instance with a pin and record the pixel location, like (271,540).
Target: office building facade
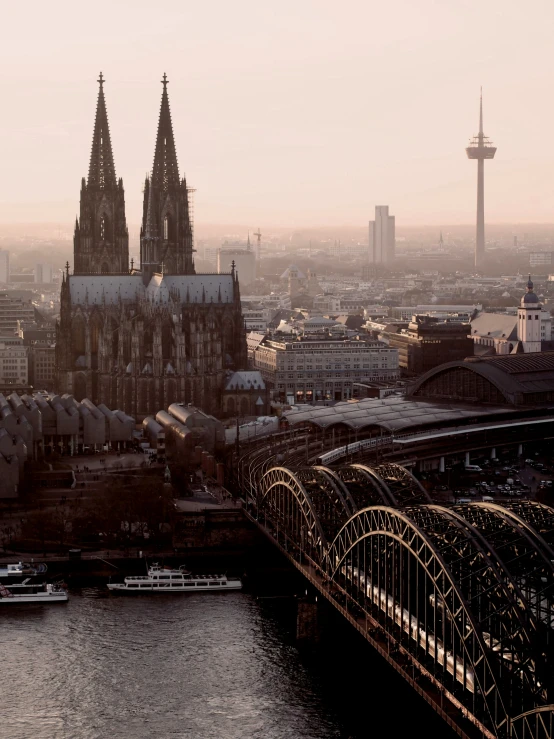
(4,266)
(382,237)
(308,370)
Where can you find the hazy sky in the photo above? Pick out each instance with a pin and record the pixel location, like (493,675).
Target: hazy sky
(302,112)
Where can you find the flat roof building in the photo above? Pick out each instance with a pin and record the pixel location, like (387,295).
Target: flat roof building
(382,237)
(317,369)
(427,342)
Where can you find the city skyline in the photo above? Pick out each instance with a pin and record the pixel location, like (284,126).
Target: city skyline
(296,118)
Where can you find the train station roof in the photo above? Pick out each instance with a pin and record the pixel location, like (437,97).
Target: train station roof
(393,414)
(519,379)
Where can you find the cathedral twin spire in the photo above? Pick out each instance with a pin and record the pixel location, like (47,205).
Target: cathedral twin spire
(101,240)
(166,234)
(165,171)
(101,173)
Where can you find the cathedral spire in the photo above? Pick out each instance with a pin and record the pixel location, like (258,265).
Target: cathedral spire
(101,173)
(165,172)
(150,231)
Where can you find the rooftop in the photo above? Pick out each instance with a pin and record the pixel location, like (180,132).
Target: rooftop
(520,378)
(392,414)
(109,289)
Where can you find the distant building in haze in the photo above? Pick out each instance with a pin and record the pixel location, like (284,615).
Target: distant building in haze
(43,273)
(541,258)
(4,266)
(12,311)
(382,236)
(244,259)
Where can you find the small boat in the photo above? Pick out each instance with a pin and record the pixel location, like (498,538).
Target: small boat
(20,569)
(161,580)
(27,592)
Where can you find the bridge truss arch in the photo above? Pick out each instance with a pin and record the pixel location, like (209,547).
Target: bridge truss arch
(404,488)
(284,499)
(365,486)
(429,579)
(524,553)
(539,516)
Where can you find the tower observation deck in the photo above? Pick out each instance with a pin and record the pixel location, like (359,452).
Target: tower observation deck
(480,148)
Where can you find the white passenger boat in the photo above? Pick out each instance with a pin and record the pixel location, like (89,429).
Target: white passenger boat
(160,580)
(27,592)
(20,569)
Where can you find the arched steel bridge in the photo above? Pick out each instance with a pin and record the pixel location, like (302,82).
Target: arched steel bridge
(458,599)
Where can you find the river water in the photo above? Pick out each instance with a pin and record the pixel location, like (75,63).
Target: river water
(214,666)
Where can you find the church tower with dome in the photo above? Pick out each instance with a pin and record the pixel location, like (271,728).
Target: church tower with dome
(529,321)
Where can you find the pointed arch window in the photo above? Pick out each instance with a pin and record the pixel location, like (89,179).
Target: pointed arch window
(167,225)
(103,227)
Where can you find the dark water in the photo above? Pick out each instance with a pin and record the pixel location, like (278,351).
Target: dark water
(216,666)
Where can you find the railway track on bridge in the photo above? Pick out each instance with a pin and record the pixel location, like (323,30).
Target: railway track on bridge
(459,600)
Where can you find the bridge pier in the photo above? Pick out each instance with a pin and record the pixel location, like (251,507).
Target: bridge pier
(467,459)
(308,621)
(441,464)
(493,452)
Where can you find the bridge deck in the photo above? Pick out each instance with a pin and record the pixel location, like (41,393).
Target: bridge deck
(402,661)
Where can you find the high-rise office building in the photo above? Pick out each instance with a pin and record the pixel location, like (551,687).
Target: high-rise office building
(43,273)
(4,266)
(245,264)
(382,236)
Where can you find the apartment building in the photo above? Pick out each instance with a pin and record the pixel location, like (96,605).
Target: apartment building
(12,311)
(14,364)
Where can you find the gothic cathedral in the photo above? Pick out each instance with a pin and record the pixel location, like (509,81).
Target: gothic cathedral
(141,339)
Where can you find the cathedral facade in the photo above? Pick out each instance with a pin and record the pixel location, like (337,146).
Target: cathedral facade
(139,338)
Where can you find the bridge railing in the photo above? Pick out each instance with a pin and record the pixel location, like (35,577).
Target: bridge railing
(434,585)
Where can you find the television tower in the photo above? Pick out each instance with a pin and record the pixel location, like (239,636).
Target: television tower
(480,148)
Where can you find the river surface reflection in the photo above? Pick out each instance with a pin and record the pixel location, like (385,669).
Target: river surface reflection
(216,666)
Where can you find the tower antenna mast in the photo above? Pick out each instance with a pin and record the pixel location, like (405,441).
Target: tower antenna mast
(480,148)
